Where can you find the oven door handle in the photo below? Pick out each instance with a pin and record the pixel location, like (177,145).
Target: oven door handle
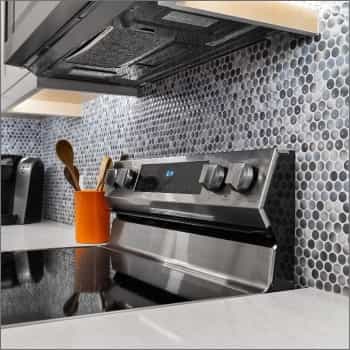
(180,213)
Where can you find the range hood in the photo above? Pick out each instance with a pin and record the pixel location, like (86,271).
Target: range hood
(119,46)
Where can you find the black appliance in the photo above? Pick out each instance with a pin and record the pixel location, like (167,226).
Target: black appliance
(22,189)
(9,164)
(186,228)
(27,204)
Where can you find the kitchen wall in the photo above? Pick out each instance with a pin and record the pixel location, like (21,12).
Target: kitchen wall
(21,136)
(287,92)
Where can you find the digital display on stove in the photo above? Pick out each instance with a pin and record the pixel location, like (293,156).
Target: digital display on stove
(170,173)
(170,178)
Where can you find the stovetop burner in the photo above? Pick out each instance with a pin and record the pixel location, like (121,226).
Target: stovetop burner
(57,283)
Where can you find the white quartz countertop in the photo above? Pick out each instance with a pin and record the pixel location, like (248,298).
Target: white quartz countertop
(304,318)
(42,235)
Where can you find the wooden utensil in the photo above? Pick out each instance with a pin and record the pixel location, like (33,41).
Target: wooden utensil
(105,165)
(64,152)
(69,177)
(109,165)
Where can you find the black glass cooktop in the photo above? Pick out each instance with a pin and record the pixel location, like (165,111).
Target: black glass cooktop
(55,283)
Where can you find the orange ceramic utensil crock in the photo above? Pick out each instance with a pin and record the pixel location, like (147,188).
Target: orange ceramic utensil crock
(91,217)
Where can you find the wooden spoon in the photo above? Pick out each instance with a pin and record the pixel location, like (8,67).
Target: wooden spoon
(69,177)
(105,165)
(64,151)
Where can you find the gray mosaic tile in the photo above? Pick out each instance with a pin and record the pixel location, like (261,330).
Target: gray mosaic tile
(21,136)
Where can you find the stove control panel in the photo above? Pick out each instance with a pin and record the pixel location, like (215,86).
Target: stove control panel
(183,177)
(225,187)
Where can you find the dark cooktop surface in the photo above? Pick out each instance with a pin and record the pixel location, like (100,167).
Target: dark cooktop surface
(55,283)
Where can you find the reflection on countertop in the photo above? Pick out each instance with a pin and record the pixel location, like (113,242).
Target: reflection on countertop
(40,285)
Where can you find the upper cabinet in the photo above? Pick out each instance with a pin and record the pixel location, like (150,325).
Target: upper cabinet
(21,19)
(9,74)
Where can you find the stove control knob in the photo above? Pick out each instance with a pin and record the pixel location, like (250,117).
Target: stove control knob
(240,176)
(125,177)
(212,176)
(111,177)
(121,177)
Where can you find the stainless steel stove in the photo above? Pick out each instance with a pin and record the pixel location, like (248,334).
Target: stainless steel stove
(186,228)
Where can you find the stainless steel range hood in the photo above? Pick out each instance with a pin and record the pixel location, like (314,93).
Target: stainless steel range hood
(123,45)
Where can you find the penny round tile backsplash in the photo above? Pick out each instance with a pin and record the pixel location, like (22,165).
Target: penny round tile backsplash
(20,136)
(288,91)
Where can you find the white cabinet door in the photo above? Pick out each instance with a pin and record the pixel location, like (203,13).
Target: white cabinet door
(9,75)
(24,17)
(20,10)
